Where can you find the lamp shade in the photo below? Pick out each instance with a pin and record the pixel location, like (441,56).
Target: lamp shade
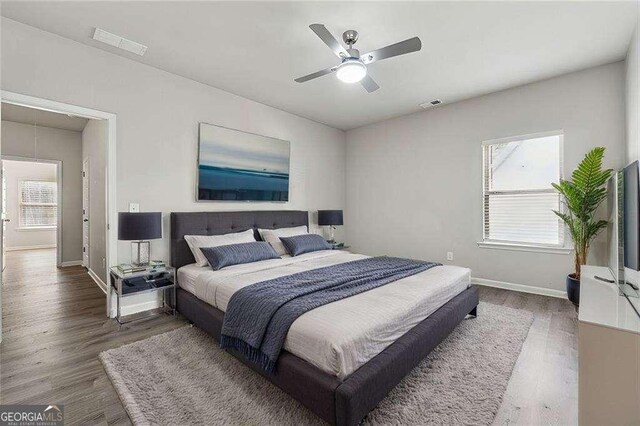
(329,217)
(139,226)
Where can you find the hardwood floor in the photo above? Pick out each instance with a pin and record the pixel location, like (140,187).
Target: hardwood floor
(543,389)
(54,327)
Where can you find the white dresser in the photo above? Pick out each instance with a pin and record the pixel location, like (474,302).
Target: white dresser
(609,353)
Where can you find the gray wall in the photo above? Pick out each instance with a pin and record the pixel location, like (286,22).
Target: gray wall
(54,144)
(414,185)
(94,146)
(157,125)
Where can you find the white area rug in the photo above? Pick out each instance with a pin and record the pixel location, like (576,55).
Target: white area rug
(183,377)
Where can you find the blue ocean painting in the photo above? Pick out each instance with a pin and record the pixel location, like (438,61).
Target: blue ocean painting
(240,166)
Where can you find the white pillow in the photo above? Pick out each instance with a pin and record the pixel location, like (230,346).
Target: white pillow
(197,241)
(272,236)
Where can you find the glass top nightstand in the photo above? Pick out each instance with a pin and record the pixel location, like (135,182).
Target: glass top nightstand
(339,246)
(149,281)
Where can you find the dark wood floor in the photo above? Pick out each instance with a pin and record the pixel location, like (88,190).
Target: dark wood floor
(54,327)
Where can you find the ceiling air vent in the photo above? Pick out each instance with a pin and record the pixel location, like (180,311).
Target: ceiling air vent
(119,42)
(430,104)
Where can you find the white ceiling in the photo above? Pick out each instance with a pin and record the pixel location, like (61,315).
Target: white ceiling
(256,49)
(20,114)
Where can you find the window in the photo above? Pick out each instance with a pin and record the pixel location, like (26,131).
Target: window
(38,204)
(518,197)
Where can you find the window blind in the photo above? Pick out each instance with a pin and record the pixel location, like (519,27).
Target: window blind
(38,204)
(517,194)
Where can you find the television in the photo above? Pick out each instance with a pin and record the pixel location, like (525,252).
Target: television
(630,227)
(623,202)
(615,238)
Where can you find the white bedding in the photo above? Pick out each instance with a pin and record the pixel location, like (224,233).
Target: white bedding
(341,336)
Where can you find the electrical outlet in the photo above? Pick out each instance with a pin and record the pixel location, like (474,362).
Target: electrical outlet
(449,255)
(104,262)
(134,208)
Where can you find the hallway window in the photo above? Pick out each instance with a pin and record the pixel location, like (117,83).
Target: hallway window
(38,204)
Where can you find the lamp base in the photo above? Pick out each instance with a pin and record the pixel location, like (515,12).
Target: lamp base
(332,231)
(140,253)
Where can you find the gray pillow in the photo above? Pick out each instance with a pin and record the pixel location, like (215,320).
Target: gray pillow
(236,254)
(300,244)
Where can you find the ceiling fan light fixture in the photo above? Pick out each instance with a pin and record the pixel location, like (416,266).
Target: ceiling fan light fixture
(351,71)
(353,66)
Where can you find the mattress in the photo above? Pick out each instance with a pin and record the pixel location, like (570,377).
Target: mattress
(341,336)
(187,276)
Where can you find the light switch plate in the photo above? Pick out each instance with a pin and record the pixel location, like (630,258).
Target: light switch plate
(134,208)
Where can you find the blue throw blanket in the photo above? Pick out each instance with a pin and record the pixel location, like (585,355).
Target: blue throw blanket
(258,316)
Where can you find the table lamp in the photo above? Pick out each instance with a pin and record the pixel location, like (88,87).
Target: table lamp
(139,228)
(330,218)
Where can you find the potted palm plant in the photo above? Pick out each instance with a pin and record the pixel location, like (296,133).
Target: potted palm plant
(582,195)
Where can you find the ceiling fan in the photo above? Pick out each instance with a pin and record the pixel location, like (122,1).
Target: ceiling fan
(353,67)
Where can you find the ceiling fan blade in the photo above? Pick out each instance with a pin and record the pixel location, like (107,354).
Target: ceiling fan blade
(316,74)
(324,34)
(369,84)
(411,45)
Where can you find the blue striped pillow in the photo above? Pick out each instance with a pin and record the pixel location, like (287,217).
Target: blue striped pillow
(236,254)
(300,244)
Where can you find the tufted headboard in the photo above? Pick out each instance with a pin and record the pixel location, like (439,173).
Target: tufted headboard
(217,223)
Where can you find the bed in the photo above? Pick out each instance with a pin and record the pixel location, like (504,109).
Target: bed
(333,368)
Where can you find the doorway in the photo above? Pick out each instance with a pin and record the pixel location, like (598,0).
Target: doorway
(32,206)
(108,189)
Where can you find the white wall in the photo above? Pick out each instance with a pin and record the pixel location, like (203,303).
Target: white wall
(157,125)
(94,148)
(414,185)
(14,173)
(632,92)
(24,140)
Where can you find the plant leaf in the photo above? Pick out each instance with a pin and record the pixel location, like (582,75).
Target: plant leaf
(582,195)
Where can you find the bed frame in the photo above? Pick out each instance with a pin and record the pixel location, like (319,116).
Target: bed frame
(338,402)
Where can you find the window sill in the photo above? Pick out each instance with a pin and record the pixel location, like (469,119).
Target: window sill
(524,247)
(37,228)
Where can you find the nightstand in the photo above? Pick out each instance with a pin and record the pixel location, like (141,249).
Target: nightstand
(339,246)
(149,281)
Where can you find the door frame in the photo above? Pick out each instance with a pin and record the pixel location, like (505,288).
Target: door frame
(85,179)
(60,200)
(110,173)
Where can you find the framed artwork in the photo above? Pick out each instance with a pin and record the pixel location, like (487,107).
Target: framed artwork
(238,166)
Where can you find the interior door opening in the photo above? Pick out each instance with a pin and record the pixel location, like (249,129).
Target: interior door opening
(40,119)
(31,210)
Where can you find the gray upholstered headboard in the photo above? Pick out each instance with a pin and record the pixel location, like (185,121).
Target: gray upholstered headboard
(217,223)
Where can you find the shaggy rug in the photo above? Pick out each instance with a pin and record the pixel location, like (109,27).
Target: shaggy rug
(183,377)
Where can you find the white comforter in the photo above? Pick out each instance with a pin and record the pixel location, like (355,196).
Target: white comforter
(341,336)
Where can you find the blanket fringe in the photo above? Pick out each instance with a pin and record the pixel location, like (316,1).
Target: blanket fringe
(253,355)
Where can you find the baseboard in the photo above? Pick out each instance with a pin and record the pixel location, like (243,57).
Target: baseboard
(98,281)
(520,287)
(71,263)
(43,246)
